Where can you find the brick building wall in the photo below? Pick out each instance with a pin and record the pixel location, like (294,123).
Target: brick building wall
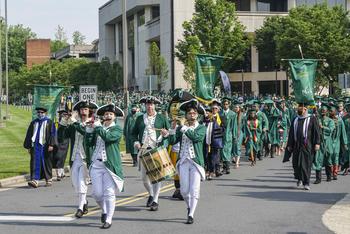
(38,51)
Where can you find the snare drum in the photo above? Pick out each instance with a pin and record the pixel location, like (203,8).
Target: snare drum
(157,164)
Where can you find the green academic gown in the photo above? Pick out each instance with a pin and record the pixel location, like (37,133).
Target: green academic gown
(252,136)
(128,128)
(228,138)
(326,148)
(346,121)
(339,139)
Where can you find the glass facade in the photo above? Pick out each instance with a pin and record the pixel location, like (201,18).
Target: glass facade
(272,5)
(242,5)
(331,3)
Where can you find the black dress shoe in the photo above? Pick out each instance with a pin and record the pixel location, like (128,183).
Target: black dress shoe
(149,201)
(329,179)
(189,220)
(85,208)
(154,206)
(79,213)
(106,225)
(103,218)
(335,178)
(218,174)
(188,211)
(317,181)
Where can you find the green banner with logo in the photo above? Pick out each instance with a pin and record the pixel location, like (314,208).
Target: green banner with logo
(207,70)
(47,96)
(303,73)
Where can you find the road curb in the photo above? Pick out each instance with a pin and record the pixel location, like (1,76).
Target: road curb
(126,161)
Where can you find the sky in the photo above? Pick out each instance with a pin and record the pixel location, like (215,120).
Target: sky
(43,16)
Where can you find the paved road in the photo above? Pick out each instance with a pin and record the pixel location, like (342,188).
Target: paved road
(262,199)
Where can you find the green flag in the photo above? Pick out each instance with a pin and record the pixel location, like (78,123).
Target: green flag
(207,70)
(303,77)
(47,96)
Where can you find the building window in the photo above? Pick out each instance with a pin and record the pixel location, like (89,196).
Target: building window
(266,62)
(242,5)
(141,18)
(272,5)
(120,37)
(155,12)
(131,33)
(330,3)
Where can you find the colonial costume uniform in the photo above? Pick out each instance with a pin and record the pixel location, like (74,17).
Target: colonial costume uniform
(147,134)
(40,135)
(106,171)
(190,165)
(79,157)
(178,96)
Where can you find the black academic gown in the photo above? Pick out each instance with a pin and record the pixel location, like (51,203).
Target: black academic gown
(303,150)
(60,154)
(41,158)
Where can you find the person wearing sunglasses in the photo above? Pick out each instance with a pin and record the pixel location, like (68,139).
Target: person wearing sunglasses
(40,141)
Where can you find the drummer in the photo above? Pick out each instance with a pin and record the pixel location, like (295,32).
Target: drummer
(149,132)
(190,165)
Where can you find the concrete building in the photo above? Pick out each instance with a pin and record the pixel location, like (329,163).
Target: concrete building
(38,51)
(161,21)
(89,52)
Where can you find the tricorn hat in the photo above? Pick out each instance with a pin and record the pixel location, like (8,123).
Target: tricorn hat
(150,99)
(192,104)
(85,104)
(110,108)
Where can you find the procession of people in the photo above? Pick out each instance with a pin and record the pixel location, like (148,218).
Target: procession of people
(197,141)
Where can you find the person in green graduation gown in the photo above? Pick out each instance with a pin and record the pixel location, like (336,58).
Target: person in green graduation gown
(190,165)
(265,127)
(229,134)
(238,134)
(339,140)
(127,132)
(106,170)
(326,147)
(346,157)
(252,135)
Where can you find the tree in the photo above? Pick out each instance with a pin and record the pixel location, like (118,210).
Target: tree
(60,40)
(78,38)
(214,29)
(322,32)
(157,65)
(17,36)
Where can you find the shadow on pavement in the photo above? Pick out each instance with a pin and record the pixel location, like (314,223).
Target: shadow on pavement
(297,196)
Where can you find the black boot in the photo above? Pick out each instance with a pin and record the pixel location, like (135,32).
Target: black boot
(149,201)
(189,220)
(85,208)
(318,177)
(79,213)
(329,173)
(103,218)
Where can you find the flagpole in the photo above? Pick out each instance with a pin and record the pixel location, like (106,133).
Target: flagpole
(125,55)
(2,123)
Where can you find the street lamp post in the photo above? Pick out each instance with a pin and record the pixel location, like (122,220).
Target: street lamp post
(125,55)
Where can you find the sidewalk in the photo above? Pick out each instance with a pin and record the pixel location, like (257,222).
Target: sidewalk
(337,218)
(8,182)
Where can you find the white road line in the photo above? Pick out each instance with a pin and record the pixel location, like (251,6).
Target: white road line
(36,218)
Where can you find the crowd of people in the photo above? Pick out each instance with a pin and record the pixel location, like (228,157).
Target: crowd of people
(203,140)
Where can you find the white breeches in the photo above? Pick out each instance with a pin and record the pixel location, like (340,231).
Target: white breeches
(152,189)
(103,190)
(190,179)
(79,176)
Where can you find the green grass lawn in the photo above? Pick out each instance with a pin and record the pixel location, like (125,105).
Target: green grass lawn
(14,158)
